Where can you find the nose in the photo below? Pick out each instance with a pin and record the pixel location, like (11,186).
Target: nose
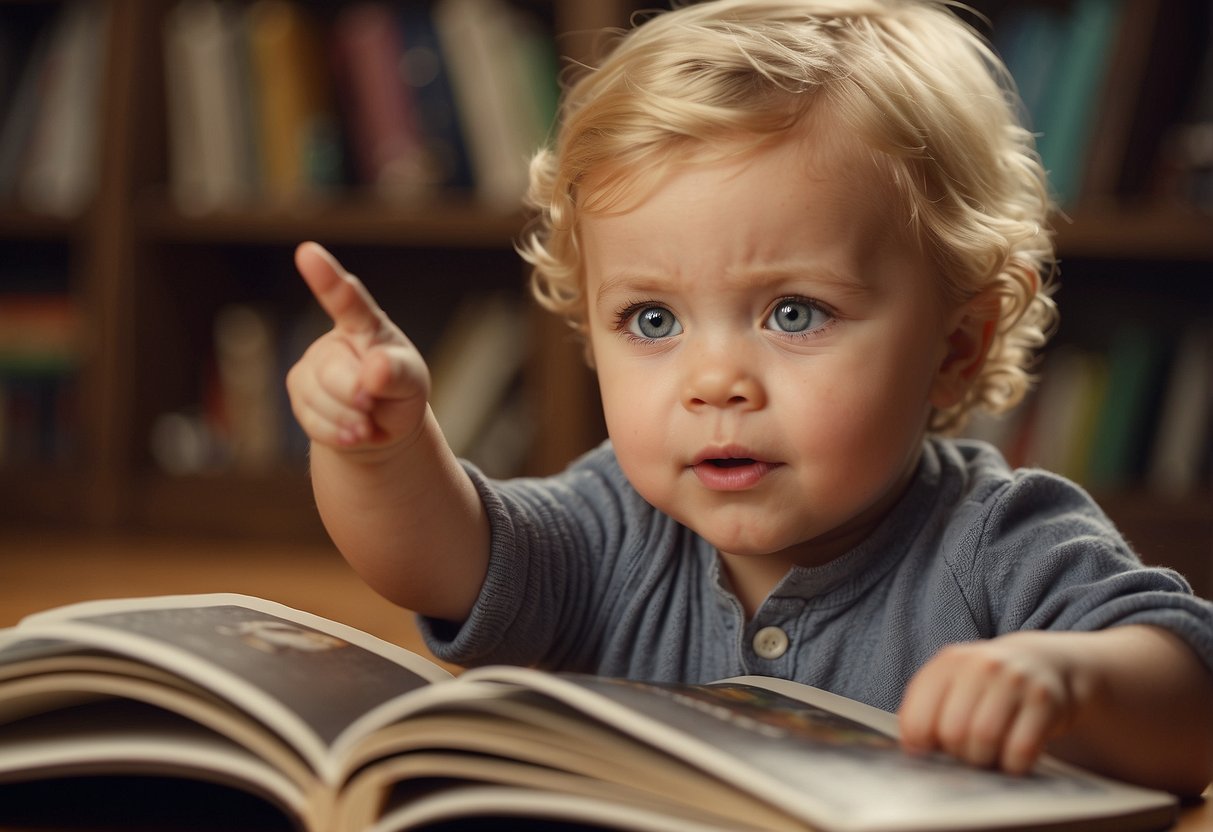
(722,381)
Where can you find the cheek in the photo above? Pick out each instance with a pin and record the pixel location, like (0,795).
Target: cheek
(637,433)
(629,402)
(901,366)
(624,423)
(638,415)
(872,397)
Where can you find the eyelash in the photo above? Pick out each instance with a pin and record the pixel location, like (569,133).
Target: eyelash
(815,305)
(624,315)
(623,318)
(625,312)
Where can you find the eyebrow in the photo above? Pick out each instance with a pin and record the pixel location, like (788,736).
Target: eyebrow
(641,282)
(637,282)
(813,272)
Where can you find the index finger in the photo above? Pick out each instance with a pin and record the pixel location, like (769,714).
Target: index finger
(340,294)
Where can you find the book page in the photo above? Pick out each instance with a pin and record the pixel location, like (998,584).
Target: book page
(407,783)
(521,808)
(829,769)
(108,737)
(306,677)
(53,698)
(37,657)
(533,731)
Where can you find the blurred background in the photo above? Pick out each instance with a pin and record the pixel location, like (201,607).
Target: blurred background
(160,160)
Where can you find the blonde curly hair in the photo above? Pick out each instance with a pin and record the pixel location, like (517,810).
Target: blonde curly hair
(924,93)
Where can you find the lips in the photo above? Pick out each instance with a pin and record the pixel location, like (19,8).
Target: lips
(730,469)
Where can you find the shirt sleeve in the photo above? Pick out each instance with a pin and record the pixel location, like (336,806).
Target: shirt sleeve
(1046,557)
(550,540)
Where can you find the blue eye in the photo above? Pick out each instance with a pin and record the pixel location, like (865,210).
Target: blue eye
(795,316)
(654,322)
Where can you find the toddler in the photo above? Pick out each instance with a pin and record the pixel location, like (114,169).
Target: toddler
(802,239)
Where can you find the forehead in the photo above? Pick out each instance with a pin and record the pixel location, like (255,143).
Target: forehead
(812,194)
(813,135)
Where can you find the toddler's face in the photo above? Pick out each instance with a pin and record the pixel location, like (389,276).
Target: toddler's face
(767,343)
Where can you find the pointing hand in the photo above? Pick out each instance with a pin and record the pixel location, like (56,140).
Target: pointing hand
(362,385)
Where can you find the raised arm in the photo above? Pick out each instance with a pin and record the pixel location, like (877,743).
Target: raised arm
(390,491)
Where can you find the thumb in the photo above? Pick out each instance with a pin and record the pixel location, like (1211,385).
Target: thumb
(394,372)
(342,296)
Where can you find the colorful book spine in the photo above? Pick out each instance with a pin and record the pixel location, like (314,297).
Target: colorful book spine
(380,106)
(292,94)
(487,47)
(1068,113)
(40,353)
(428,74)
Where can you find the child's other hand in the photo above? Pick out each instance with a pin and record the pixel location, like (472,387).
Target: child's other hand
(991,703)
(363,384)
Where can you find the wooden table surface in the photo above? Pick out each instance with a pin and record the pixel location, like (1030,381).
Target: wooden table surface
(45,569)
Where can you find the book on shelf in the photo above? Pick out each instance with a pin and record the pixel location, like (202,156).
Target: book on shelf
(1130,412)
(427,73)
(380,108)
(1176,95)
(1066,406)
(503,447)
(49,145)
(243,420)
(1136,367)
(1122,95)
(502,77)
(1107,85)
(476,360)
(249,102)
(1068,113)
(1183,443)
(298,150)
(26,51)
(249,379)
(210,140)
(268,99)
(400,112)
(342,731)
(1028,36)
(39,425)
(39,354)
(39,332)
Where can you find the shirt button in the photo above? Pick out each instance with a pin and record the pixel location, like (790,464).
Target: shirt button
(770,642)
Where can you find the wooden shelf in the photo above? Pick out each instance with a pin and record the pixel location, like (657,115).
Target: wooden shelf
(1154,233)
(443,220)
(20,225)
(42,493)
(1140,233)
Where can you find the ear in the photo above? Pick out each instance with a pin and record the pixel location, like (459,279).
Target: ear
(966,346)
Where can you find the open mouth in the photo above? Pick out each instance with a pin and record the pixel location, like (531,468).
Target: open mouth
(731,462)
(732,473)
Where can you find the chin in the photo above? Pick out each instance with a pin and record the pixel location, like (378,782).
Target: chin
(747,545)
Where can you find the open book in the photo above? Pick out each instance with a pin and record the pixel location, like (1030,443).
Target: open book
(343,731)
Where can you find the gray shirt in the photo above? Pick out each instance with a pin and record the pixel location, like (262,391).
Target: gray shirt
(584,575)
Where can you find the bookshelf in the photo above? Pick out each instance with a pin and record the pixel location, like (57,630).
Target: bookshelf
(149,280)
